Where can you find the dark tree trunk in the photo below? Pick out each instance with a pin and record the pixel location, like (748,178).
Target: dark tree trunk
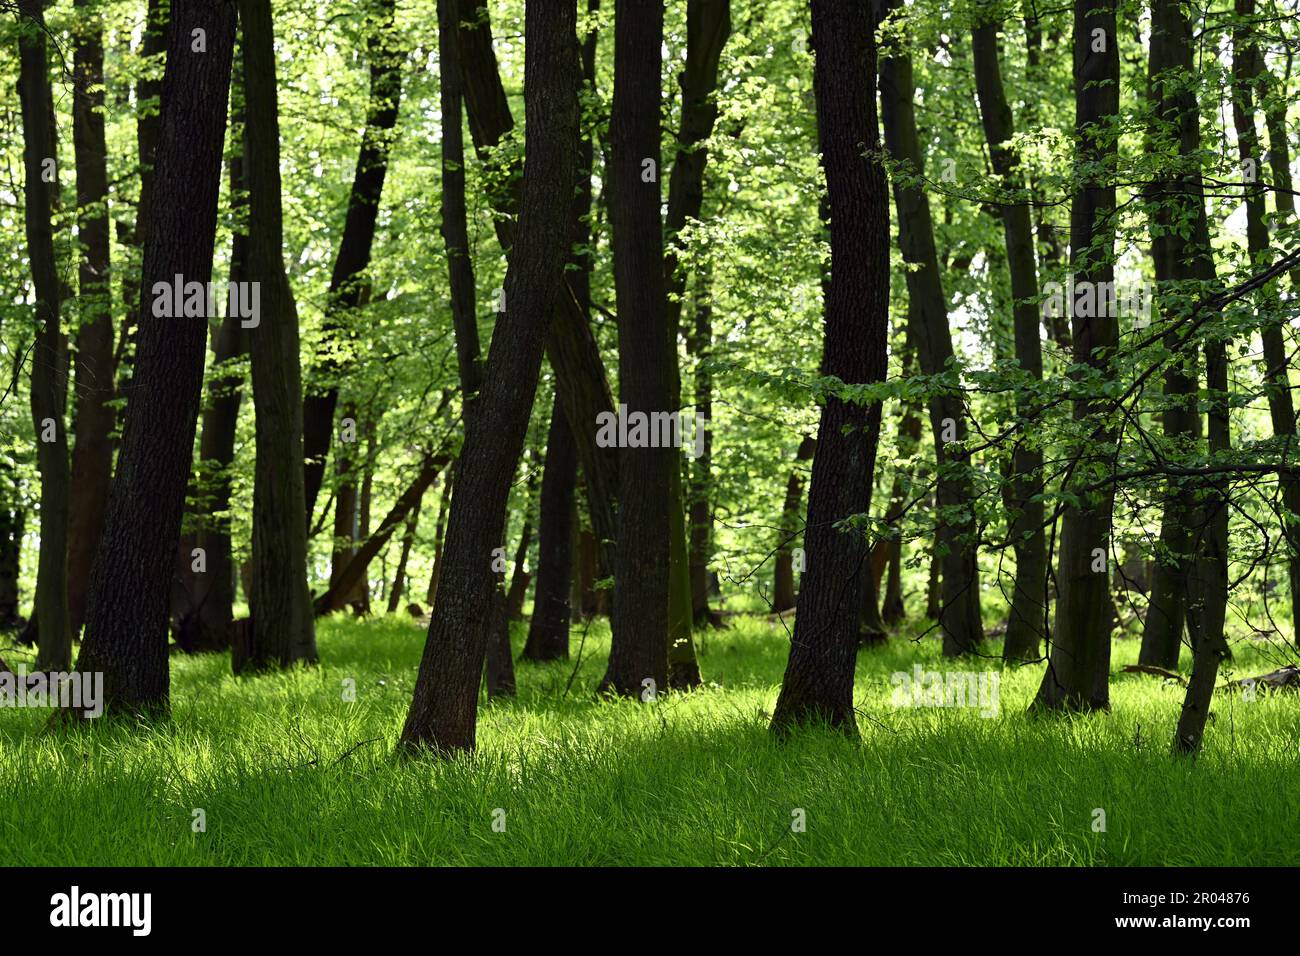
(592,599)
(1078,669)
(570,347)
(1028,614)
(818,684)
(519,581)
(283,630)
(148,92)
(1280,401)
(956,534)
(699,493)
(348,281)
(455,230)
(444,506)
(126,623)
(443,711)
(49,357)
(92,456)
(500,666)
(548,632)
(205,624)
(783,590)
(11,544)
(639,621)
(399,578)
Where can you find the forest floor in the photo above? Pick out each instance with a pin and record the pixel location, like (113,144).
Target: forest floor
(285,771)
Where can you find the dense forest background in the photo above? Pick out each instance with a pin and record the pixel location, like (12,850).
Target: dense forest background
(980,319)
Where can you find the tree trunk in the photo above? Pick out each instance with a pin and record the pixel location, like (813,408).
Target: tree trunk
(570,348)
(148,91)
(399,578)
(126,624)
(443,711)
(283,630)
(92,456)
(892,609)
(49,355)
(783,589)
(11,546)
(699,490)
(206,622)
(1028,614)
(818,684)
(1078,670)
(348,280)
(548,632)
(444,506)
(639,621)
(956,534)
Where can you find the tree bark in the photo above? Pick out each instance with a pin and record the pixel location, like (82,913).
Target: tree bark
(570,348)
(1078,669)
(1028,614)
(49,383)
(639,621)
(818,684)
(444,506)
(399,577)
(548,632)
(92,456)
(956,534)
(283,631)
(443,712)
(126,624)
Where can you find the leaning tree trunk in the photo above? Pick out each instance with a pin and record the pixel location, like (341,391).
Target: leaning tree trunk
(348,280)
(50,354)
(818,684)
(1028,614)
(92,456)
(639,646)
(570,348)
(443,712)
(956,534)
(1078,669)
(126,623)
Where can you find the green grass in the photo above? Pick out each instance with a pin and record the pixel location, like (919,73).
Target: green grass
(287,772)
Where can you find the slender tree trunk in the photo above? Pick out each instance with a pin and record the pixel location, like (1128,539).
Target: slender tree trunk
(548,632)
(892,609)
(1028,615)
(699,491)
(956,534)
(399,578)
(818,684)
(1078,669)
(11,545)
(443,711)
(126,624)
(92,456)
(444,506)
(1280,401)
(783,589)
(348,282)
(49,356)
(639,647)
